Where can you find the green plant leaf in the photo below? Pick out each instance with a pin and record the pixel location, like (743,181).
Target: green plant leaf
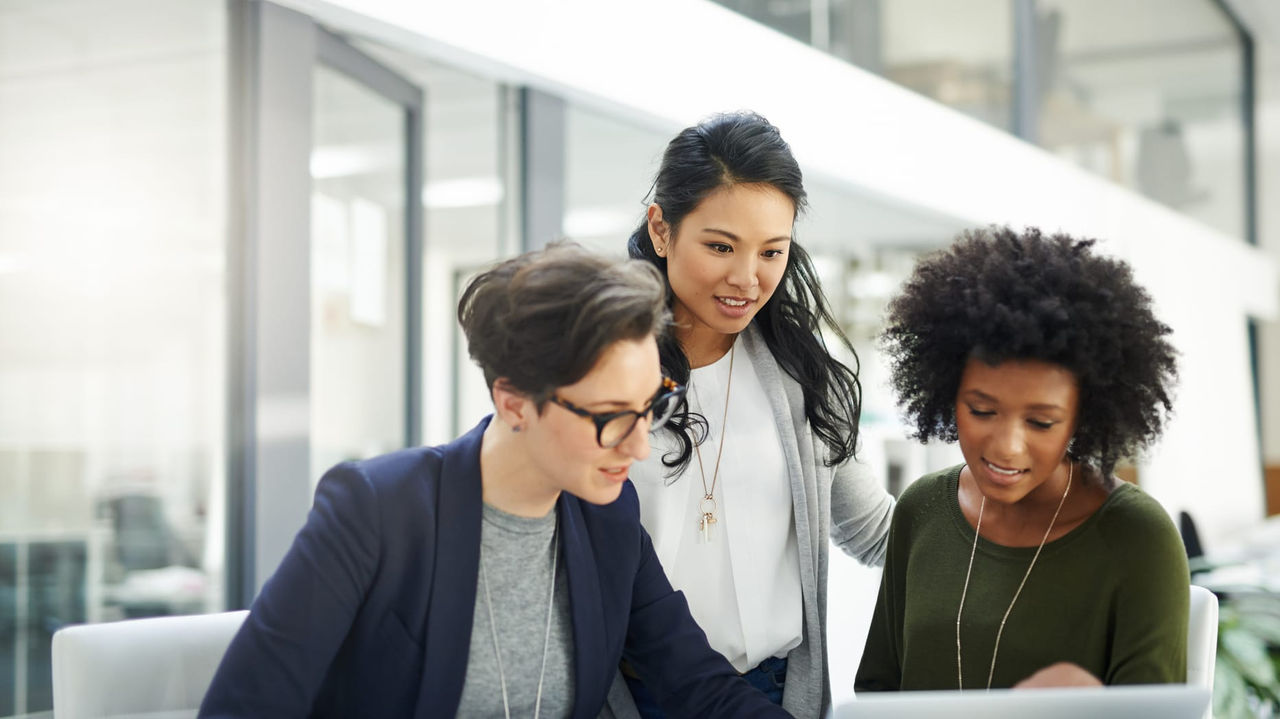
(1247,670)
(1248,653)
(1230,693)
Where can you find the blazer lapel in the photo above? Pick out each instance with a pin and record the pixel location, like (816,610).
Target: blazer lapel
(451,606)
(586,608)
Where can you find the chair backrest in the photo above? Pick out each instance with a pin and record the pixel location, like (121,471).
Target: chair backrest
(1202,639)
(158,667)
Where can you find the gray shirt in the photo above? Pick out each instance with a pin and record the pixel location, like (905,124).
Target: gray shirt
(516,556)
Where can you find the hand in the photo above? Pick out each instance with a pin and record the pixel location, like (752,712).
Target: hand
(1062,674)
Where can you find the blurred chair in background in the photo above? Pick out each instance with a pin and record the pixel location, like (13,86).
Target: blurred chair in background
(159,668)
(1202,640)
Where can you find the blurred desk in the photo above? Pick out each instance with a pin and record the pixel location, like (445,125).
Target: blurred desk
(1251,560)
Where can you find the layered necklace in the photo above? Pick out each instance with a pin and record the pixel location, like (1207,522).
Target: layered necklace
(707,505)
(969,572)
(546,639)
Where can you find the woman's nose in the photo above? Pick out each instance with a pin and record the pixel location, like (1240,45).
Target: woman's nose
(636,444)
(743,273)
(1010,440)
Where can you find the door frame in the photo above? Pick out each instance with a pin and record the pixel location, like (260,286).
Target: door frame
(273,54)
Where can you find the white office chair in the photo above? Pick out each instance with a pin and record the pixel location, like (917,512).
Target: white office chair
(1202,640)
(155,668)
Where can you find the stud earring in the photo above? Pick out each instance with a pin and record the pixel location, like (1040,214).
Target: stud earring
(516,428)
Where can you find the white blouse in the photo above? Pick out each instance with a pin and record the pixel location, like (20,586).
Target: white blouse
(743,586)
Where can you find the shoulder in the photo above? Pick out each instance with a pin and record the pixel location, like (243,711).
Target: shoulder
(924,500)
(388,492)
(1129,512)
(931,490)
(786,396)
(388,471)
(405,485)
(1138,531)
(395,477)
(417,466)
(762,361)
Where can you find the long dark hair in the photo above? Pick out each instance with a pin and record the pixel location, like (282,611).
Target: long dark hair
(741,148)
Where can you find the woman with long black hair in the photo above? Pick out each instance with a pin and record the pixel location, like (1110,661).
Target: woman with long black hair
(755,470)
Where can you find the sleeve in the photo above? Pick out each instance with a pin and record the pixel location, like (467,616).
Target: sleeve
(671,654)
(881,665)
(860,512)
(276,663)
(1152,600)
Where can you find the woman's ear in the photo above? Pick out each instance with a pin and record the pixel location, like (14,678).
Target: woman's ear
(511,405)
(659,230)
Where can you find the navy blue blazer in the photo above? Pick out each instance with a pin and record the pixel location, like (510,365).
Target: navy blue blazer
(369,613)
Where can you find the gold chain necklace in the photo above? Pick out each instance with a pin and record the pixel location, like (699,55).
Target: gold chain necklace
(991,672)
(707,505)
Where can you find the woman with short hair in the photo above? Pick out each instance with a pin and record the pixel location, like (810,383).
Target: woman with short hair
(504,573)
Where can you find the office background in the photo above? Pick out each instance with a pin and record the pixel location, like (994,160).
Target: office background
(232,233)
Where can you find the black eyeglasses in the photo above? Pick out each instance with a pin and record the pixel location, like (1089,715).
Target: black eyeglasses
(613,427)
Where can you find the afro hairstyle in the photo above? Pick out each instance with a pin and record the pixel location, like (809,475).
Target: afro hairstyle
(997,295)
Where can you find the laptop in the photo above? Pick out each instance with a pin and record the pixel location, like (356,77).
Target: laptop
(1166,701)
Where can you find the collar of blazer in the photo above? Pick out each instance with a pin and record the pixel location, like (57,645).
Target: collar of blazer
(455,570)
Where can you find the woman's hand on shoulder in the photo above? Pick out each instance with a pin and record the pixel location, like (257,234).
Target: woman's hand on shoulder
(1062,674)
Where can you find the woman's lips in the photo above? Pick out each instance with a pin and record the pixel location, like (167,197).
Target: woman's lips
(1002,475)
(736,307)
(615,474)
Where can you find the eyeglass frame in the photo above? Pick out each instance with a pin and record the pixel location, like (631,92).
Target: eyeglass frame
(601,419)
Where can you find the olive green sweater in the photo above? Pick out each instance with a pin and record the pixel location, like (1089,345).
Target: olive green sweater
(1111,596)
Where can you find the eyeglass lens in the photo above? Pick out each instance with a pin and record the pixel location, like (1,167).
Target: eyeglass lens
(617,429)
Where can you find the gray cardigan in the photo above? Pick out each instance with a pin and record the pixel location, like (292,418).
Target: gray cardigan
(844,502)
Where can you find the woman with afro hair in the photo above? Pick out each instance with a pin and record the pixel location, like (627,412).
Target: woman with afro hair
(1029,564)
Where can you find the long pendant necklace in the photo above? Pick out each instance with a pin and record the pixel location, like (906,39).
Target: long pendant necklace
(969,572)
(707,505)
(546,639)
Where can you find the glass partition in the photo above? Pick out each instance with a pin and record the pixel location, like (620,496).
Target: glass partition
(469,157)
(609,168)
(957,53)
(791,17)
(358,291)
(112,320)
(1149,93)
